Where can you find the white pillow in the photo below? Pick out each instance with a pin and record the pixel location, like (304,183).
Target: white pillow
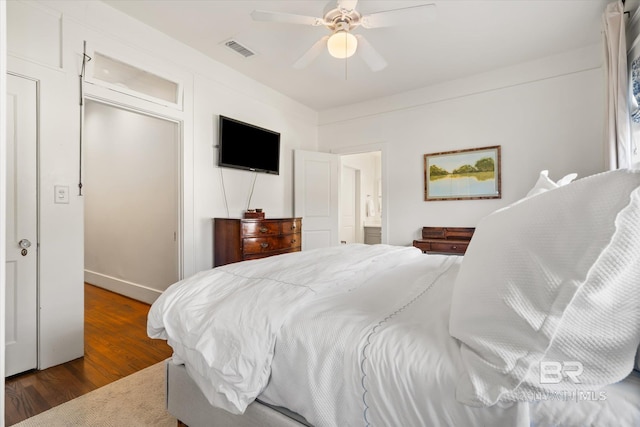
(554,280)
(544,183)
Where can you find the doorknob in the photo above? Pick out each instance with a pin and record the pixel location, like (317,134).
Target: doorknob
(24,243)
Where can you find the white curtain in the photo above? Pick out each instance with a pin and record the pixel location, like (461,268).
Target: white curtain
(617,124)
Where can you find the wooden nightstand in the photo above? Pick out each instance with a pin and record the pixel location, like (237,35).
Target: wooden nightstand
(445,240)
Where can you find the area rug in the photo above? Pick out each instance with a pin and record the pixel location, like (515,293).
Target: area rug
(136,400)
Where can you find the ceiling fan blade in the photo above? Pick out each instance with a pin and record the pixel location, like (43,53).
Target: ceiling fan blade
(288,18)
(408,15)
(347,5)
(311,54)
(374,60)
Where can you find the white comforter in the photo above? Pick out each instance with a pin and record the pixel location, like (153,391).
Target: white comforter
(222,323)
(380,355)
(346,336)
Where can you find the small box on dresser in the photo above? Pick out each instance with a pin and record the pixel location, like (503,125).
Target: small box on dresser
(243,239)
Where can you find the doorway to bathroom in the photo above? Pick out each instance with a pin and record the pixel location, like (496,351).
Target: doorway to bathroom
(361,198)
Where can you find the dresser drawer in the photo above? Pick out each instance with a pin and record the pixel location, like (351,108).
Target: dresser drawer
(254,245)
(268,254)
(260,228)
(291,226)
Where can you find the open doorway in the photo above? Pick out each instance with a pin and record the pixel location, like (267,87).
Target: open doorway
(132,201)
(361,198)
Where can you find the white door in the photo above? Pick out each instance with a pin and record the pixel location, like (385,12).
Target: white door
(316,181)
(21,238)
(348,205)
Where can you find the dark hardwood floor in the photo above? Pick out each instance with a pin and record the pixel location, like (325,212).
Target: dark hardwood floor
(116,345)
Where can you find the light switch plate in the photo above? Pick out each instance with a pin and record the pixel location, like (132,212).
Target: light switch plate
(61,194)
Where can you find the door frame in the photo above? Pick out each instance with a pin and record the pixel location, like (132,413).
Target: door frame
(180,161)
(382,147)
(3,183)
(357,232)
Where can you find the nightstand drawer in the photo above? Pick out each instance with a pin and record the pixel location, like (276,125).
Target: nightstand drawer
(423,246)
(449,247)
(442,246)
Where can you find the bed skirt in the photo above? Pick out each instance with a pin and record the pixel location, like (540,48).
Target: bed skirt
(186,402)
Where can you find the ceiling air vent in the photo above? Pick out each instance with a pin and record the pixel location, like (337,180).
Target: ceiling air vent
(234,45)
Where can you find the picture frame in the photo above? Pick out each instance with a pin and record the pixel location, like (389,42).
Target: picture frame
(468,174)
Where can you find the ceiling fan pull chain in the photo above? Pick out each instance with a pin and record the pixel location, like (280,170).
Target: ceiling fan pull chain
(346,59)
(345,69)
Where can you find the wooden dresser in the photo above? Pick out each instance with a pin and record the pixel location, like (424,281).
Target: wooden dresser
(445,240)
(242,239)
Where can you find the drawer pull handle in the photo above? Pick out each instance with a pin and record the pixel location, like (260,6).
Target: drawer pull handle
(294,226)
(454,247)
(293,240)
(263,229)
(264,245)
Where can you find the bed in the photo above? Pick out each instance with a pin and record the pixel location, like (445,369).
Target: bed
(537,325)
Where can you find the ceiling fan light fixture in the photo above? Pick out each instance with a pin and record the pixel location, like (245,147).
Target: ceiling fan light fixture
(342,44)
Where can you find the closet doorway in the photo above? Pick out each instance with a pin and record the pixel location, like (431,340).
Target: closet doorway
(131,188)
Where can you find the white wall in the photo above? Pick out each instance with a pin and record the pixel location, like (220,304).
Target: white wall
(60,251)
(546,114)
(272,193)
(45,42)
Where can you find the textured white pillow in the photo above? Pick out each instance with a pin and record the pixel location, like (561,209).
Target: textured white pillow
(551,279)
(544,183)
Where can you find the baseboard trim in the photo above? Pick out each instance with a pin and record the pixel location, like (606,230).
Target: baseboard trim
(122,287)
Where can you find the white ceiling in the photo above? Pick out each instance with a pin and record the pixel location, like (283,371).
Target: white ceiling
(467,37)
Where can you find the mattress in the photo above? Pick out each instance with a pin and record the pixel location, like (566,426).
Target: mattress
(186,402)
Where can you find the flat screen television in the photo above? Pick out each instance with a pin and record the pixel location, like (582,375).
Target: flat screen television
(249,147)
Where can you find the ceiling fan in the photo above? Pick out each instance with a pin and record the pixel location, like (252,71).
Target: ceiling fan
(341,19)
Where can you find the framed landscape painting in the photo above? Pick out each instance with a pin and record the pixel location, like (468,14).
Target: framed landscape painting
(463,174)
